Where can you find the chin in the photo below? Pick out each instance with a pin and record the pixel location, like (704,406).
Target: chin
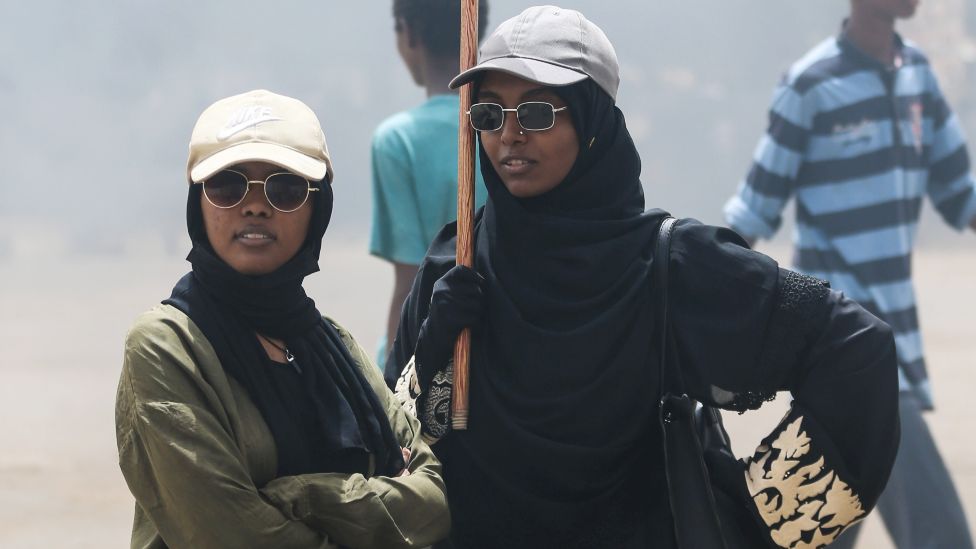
(252,268)
(522,189)
(907,9)
(417,78)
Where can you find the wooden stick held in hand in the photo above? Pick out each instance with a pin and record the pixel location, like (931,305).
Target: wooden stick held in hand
(465,210)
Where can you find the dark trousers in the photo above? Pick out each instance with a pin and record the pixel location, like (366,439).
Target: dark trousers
(919,507)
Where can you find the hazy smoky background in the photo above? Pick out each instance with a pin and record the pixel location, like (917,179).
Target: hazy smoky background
(99,99)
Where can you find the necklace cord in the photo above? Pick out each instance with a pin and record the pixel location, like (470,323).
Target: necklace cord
(273,344)
(290,358)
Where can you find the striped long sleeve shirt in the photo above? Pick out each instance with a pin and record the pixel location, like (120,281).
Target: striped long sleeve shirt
(859,144)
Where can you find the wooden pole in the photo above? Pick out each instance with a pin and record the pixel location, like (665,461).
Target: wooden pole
(465,210)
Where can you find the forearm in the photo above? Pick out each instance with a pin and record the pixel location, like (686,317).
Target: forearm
(406,511)
(825,465)
(851,388)
(380,512)
(201,521)
(771,330)
(202,498)
(839,363)
(185,470)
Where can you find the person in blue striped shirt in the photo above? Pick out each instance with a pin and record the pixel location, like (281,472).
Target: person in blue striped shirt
(859,133)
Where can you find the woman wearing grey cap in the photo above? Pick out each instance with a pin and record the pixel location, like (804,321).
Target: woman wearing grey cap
(563,448)
(244,417)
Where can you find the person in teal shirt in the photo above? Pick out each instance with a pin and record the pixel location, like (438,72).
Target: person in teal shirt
(414,152)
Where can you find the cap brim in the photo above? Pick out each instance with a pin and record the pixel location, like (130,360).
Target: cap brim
(289,159)
(532,70)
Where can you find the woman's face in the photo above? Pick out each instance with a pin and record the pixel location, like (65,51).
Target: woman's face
(529,163)
(253,237)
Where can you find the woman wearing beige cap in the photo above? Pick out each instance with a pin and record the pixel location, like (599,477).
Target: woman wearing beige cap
(564,447)
(244,417)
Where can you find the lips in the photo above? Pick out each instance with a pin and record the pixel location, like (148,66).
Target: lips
(255,234)
(517,165)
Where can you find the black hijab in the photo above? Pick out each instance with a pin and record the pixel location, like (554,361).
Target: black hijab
(229,307)
(562,372)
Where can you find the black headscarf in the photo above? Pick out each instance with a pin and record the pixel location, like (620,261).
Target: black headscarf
(229,307)
(562,389)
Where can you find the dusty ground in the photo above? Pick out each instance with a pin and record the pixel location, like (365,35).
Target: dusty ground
(62,330)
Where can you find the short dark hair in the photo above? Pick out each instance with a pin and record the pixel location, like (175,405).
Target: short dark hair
(437,23)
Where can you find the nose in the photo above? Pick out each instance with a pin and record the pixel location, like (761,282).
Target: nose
(512,132)
(255,203)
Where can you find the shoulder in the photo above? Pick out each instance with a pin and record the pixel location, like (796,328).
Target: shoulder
(441,255)
(393,126)
(359,355)
(428,119)
(160,328)
(444,243)
(821,63)
(706,251)
(402,126)
(163,344)
(915,61)
(344,333)
(913,55)
(396,140)
(158,324)
(392,136)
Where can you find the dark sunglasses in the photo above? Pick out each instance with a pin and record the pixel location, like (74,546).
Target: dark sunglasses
(286,192)
(534,116)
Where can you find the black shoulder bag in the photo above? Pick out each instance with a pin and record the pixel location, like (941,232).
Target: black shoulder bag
(689,430)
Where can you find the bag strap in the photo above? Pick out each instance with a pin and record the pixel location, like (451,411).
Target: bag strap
(662,258)
(693,508)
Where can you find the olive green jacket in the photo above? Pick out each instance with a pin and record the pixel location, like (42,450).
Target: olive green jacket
(201,461)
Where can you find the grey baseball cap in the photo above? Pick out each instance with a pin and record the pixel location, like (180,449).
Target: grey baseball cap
(548,45)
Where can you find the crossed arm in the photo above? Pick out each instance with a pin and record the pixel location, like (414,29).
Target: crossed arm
(178,431)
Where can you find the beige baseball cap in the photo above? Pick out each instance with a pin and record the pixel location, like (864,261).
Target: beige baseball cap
(258,126)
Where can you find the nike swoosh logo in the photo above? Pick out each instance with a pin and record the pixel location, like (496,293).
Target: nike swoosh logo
(228,131)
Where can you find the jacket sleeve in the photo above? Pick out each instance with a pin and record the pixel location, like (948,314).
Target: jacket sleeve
(951,185)
(405,511)
(755,209)
(825,465)
(179,459)
(745,329)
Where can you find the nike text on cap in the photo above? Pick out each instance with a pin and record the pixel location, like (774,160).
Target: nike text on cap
(551,46)
(258,126)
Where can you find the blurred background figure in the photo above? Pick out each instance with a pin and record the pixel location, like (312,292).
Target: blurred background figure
(414,152)
(859,132)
